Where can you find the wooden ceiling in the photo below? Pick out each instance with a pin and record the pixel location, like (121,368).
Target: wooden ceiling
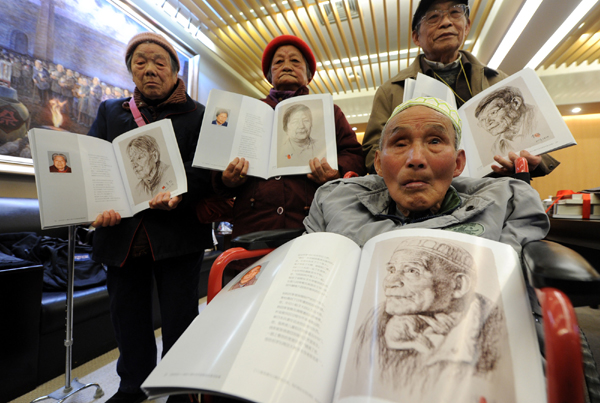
(358,44)
(581,46)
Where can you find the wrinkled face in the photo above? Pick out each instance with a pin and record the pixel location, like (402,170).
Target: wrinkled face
(152,72)
(410,286)
(143,163)
(288,69)
(59,163)
(418,160)
(221,118)
(496,118)
(440,43)
(299,126)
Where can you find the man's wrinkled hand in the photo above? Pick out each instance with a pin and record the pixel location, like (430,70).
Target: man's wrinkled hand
(236,173)
(321,171)
(507,165)
(164,201)
(108,218)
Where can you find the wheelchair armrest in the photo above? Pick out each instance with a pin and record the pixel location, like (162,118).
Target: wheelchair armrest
(215,277)
(550,264)
(564,372)
(266,239)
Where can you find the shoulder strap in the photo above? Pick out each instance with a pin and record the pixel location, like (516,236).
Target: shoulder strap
(136,113)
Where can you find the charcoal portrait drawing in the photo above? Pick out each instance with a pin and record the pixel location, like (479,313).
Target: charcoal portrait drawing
(153,174)
(432,337)
(508,119)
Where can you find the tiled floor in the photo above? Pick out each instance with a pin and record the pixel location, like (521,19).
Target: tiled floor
(101,370)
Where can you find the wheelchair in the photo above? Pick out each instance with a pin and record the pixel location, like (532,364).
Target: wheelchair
(562,280)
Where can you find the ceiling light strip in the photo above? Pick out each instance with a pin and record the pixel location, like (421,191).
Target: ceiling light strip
(573,20)
(514,32)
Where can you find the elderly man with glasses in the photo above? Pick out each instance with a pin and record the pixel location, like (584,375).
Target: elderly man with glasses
(440,28)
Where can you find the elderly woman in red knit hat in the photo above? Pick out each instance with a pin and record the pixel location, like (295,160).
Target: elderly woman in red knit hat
(283,202)
(165,244)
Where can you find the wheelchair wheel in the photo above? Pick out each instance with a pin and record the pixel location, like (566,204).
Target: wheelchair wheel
(590,371)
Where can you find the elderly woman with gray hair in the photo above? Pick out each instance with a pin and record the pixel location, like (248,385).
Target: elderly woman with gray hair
(283,202)
(163,245)
(221,118)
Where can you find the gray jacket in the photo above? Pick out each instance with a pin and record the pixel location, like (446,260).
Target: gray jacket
(501,209)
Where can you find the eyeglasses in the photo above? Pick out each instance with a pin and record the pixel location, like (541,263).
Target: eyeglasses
(434,17)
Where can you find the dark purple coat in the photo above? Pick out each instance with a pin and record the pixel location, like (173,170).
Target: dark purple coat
(284,201)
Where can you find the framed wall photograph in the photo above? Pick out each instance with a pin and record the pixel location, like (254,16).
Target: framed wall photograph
(59,59)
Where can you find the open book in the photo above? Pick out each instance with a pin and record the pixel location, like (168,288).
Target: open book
(415,316)
(512,115)
(275,142)
(79,176)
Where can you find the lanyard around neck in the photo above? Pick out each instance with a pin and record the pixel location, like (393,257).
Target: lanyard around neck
(451,89)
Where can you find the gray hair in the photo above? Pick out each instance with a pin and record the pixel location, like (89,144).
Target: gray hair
(144,143)
(59,155)
(220,111)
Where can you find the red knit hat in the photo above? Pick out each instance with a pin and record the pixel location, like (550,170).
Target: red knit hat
(154,38)
(283,40)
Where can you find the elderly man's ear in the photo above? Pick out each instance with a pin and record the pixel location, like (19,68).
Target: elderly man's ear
(516,103)
(461,163)
(377,162)
(461,285)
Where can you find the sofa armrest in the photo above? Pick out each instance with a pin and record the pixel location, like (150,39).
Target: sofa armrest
(23,215)
(266,239)
(549,264)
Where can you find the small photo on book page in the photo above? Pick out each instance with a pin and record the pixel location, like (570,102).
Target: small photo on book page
(433,325)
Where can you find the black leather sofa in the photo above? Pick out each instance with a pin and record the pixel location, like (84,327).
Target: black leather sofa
(35,319)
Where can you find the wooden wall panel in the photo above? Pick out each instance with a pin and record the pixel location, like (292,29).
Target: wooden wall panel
(580,164)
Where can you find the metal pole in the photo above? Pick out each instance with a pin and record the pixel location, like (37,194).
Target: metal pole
(70,288)
(71,386)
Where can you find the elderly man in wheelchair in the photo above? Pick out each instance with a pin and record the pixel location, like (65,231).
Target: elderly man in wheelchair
(418,186)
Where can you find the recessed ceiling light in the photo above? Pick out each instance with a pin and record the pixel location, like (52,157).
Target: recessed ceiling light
(355,128)
(576,110)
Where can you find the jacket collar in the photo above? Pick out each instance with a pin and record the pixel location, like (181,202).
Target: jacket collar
(379,202)
(415,67)
(178,96)
(278,96)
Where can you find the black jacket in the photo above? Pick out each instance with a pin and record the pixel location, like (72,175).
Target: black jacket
(171,233)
